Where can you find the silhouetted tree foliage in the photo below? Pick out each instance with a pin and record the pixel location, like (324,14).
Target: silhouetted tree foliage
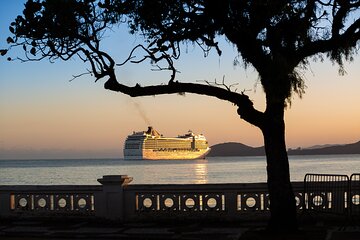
(276,37)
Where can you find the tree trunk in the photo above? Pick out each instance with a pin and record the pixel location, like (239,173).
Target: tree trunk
(282,199)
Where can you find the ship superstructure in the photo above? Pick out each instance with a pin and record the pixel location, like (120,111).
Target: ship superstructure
(151,145)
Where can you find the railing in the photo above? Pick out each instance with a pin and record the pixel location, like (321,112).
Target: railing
(354,196)
(210,201)
(115,199)
(31,200)
(326,193)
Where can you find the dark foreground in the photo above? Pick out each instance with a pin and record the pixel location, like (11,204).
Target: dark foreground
(75,229)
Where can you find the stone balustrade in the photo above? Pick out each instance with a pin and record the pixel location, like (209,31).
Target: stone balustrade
(194,201)
(116,199)
(29,200)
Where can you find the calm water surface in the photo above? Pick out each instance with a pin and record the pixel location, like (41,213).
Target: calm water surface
(210,170)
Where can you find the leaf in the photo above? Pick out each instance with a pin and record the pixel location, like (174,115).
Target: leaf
(3,52)
(10,40)
(11,29)
(33,51)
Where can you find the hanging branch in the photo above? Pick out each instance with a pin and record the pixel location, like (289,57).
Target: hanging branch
(88,72)
(222,84)
(151,54)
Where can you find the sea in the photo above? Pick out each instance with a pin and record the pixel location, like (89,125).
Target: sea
(209,170)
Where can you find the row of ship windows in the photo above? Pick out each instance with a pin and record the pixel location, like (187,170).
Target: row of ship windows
(168,141)
(175,149)
(158,147)
(177,143)
(148,145)
(168,149)
(167,145)
(132,145)
(174,139)
(163,147)
(163,140)
(133,154)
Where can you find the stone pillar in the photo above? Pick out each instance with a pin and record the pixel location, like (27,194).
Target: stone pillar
(110,202)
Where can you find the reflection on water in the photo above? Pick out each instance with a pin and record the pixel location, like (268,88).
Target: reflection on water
(201,172)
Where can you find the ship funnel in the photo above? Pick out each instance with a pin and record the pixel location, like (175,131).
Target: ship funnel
(151,131)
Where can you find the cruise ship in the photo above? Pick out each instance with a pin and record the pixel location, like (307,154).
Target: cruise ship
(151,145)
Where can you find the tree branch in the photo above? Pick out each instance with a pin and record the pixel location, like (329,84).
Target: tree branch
(246,108)
(349,38)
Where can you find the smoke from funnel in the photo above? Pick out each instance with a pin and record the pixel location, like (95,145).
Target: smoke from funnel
(141,112)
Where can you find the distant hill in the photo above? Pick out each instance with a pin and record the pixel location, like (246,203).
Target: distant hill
(353,148)
(235,149)
(239,149)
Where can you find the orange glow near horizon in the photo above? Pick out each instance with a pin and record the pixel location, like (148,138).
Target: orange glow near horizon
(44,114)
(102,120)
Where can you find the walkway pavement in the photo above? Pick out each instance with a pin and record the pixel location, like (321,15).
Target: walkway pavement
(26,229)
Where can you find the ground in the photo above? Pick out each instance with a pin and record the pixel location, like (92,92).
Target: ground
(344,229)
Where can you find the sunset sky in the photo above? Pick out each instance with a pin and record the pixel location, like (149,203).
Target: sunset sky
(44,115)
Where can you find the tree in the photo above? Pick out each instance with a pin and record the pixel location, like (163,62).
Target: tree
(278,38)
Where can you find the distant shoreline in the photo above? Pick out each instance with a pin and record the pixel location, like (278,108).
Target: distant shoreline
(158,161)
(239,149)
(229,149)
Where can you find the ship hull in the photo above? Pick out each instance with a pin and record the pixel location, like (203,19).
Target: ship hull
(174,155)
(150,154)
